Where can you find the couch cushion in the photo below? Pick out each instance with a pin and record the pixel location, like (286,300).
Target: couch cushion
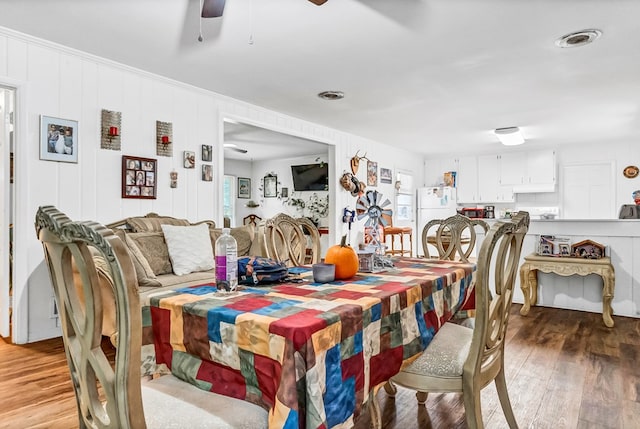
(144,272)
(154,249)
(244,236)
(189,248)
(153,224)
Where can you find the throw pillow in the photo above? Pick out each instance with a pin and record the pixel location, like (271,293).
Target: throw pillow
(144,272)
(189,248)
(244,236)
(153,224)
(154,249)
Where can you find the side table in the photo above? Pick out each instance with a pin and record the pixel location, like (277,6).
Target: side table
(565,266)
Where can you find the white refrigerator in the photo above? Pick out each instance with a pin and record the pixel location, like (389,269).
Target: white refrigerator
(433,203)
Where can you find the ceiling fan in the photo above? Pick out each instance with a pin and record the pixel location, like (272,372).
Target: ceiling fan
(214,8)
(233,146)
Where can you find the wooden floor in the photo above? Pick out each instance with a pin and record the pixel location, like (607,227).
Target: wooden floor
(564,370)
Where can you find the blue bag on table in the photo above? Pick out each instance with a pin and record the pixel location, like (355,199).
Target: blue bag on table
(253,270)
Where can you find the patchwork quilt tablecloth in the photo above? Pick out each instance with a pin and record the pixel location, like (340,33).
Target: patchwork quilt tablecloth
(310,353)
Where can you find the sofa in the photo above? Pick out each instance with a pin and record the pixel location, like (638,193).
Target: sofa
(145,241)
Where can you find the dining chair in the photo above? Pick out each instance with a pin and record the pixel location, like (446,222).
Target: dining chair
(312,236)
(115,396)
(251,219)
(285,241)
(460,359)
(391,231)
(453,237)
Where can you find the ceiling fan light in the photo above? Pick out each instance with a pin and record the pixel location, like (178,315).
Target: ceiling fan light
(509,136)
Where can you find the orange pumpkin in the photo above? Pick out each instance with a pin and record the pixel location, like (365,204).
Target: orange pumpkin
(344,258)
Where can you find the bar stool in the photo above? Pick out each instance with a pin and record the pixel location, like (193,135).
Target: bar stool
(400,231)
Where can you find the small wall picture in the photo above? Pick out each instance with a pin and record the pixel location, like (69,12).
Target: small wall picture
(244,187)
(207,151)
(139,177)
(385,175)
(372,173)
(58,139)
(207,172)
(189,159)
(270,186)
(284,193)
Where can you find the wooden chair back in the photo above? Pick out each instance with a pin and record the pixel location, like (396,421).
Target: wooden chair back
(66,242)
(285,240)
(312,237)
(497,269)
(454,237)
(251,220)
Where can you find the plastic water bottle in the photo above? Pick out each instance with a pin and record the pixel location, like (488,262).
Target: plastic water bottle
(226,262)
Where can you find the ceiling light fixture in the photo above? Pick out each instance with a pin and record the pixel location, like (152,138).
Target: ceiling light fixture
(509,136)
(578,38)
(331,95)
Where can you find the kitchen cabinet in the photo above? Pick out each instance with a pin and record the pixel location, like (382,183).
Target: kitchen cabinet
(467,179)
(530,171)
(490,190)
(434,170)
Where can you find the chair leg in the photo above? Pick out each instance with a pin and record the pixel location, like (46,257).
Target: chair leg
(374,411)
(390,388)
(422,397)
(472,408)
(411,245)
(503,395)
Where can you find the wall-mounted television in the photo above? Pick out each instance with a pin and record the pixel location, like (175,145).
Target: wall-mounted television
(310,177)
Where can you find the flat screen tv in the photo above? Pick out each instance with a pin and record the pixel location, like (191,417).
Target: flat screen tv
(310,177)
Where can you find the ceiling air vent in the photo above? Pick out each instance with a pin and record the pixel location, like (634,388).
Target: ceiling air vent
(578,38)
(331,95)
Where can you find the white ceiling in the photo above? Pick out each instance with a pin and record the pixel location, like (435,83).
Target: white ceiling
(429,75)
(262,144)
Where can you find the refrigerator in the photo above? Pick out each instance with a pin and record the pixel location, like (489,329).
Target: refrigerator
(433,203)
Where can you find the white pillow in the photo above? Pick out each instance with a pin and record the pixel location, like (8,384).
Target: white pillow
(189,248)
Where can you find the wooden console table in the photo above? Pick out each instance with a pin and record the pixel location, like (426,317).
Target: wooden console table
(566,267)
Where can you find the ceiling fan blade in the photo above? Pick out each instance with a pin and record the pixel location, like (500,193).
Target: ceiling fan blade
(318,2)
(212,8)
(233,146)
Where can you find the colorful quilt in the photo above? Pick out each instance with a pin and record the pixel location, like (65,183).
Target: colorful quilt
(310,353)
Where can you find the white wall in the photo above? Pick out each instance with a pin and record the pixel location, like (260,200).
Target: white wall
(55,81)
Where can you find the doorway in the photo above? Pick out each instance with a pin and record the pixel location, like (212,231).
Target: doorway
(7,126)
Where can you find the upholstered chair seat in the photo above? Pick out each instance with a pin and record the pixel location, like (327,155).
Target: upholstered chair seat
(440,366)
(163,396)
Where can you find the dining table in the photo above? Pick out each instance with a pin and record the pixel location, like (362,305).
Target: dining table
(313,354)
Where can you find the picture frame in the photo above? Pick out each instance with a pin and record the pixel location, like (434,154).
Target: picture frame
(58,139)
(372,173)
(189,159)
(139,177)
(284,193)
(244,187)
(386,176)
(207,152)
(565,249)
(270,186)
(207,172)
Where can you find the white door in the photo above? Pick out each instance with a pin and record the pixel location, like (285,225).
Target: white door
(588,191)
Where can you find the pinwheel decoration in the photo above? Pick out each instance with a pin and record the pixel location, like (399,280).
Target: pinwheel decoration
(372,206)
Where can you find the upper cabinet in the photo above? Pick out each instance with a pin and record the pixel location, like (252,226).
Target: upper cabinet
(496,178)
(532,171)
(434,170)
